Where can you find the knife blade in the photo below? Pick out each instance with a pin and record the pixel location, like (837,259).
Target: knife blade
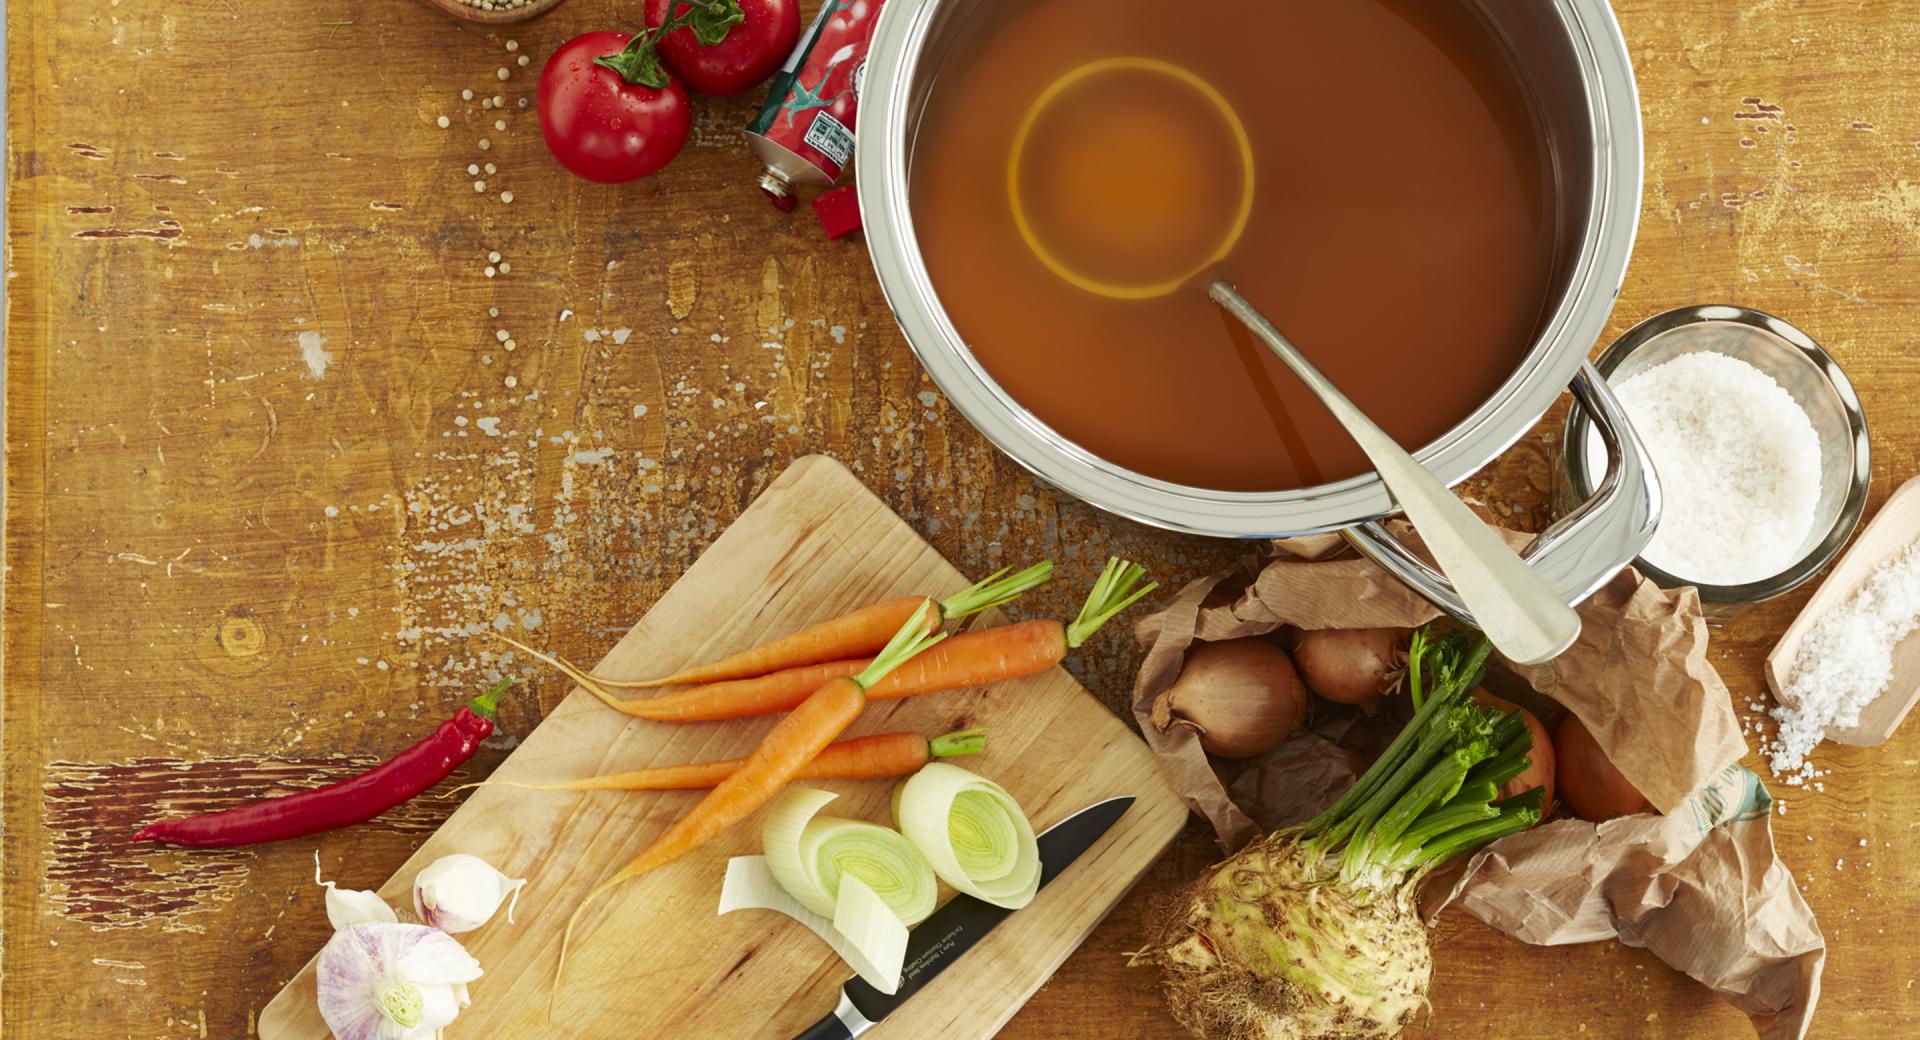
(956,927)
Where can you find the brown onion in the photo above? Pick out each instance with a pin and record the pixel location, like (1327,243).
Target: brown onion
(1540,771)
(1589,782)
(1241,696)
(1351,665)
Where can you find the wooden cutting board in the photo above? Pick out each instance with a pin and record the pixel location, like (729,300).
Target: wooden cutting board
(653,959)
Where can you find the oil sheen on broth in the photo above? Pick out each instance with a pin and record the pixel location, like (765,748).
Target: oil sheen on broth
(1401,230)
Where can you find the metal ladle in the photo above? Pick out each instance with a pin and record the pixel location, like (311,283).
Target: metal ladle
(1516,608)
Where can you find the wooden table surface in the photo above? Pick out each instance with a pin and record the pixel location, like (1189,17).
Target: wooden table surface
(269,467)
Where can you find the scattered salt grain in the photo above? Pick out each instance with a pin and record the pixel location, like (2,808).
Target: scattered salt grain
(507,197)
(490,272)
(510,344)
(513,45)
(493,312)
(1845,661)
(1739,467)
(466,95)
(504,72)
(444,122)
(473,169)
(500,334)
(479,185)
(491,168)
(499,124)
(499,102)
(485,144)
(493,255)
(524,60)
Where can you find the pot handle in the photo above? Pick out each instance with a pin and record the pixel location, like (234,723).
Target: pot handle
(1578,552)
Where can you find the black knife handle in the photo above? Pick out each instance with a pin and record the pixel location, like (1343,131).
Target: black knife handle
(828,1028)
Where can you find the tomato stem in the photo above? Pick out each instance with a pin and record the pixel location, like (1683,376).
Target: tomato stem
(638,62)
(709,20)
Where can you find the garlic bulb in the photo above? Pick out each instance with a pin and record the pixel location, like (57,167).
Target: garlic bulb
(458,893)
(347,906)
(392,981)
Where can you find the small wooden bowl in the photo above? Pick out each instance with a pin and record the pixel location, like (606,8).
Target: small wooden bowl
(1896,527)
(483,16)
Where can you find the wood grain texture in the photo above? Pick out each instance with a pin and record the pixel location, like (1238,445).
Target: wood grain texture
(1893,529)
(652,959)
(212,550)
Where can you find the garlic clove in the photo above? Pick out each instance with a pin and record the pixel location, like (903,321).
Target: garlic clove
(347,906)
(438,963)
(440,1006)
(379,981)
(461,892)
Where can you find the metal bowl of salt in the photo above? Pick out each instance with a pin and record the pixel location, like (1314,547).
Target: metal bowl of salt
(1791,359)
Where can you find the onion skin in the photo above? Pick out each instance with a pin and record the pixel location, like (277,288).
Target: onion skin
(1351,665)
(1541,773)
(1241,696)
(1589,783)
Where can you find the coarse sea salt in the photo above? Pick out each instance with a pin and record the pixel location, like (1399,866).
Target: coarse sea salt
(1738,462)
(1845,661)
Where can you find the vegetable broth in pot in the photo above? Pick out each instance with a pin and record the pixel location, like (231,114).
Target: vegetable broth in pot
(1401,226)
(1557,128)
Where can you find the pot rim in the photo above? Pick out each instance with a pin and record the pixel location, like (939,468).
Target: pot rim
(1579,316)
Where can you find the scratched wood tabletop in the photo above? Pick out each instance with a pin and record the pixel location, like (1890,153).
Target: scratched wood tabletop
(278,446)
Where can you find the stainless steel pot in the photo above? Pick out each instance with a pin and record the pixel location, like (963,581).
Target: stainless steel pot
(1571,55)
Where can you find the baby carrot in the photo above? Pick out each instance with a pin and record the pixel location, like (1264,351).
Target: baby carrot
(881,756)
(792,743)
(857,634)
(969,659)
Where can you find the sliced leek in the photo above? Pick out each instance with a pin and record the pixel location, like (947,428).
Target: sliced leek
(971,832)
(869,925)
(862,930)
(813,857)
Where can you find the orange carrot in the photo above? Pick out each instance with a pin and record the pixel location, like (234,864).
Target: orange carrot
(857,634)
(971,659)
(787,749)
(881,756)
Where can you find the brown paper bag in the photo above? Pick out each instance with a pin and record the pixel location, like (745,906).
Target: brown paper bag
(1700,886)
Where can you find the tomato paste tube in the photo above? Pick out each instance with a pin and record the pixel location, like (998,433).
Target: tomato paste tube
(804,133)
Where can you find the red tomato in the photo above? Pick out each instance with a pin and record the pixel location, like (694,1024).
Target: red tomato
(606,125)
(748,49)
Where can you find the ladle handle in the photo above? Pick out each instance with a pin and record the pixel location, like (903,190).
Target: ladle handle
(1523,615)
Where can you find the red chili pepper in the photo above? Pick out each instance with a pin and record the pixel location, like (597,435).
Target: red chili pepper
(355,800)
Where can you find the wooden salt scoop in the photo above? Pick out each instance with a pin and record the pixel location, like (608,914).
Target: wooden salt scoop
(1895,527)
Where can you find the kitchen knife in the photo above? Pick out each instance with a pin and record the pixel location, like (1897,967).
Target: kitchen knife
(956,927)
